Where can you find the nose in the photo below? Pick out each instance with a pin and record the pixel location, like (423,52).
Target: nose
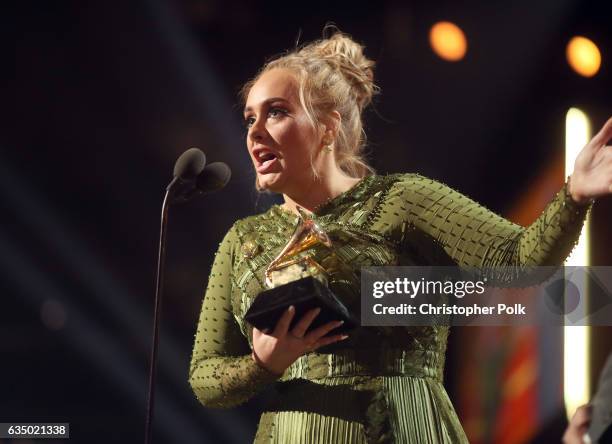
(257,130)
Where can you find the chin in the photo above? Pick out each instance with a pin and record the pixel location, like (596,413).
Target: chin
(271,182)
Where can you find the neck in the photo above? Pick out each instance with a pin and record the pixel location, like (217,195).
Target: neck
(317,192)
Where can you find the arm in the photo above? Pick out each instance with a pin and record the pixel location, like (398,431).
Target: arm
(222,372)
(474,236)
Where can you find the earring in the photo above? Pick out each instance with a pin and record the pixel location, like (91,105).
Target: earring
(327,144)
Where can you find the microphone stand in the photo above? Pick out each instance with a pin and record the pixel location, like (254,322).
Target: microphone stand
(159,283)
(180,189)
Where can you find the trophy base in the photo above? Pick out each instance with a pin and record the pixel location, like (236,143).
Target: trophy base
(304,294)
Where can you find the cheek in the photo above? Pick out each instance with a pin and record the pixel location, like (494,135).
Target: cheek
(298,143)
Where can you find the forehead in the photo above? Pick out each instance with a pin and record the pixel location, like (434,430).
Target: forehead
(276,83)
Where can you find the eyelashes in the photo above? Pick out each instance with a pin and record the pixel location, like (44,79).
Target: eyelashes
(274,112)
(278,111)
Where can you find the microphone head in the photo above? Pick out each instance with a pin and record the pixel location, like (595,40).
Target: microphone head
(214,177)
(189,164)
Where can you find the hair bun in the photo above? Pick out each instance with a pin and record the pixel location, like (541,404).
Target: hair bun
(346,55)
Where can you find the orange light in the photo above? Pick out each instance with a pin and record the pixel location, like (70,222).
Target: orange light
(583,56)
(448,41)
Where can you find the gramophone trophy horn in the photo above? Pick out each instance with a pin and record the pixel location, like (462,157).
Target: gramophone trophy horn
(291,264)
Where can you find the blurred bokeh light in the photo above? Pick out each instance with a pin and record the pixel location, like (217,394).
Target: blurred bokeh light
(53,314)
(583,56)
(448,41)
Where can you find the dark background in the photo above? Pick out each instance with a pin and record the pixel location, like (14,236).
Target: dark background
(106,95)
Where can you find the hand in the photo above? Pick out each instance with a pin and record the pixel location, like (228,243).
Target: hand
(277,350)
(578,426)
(592,176)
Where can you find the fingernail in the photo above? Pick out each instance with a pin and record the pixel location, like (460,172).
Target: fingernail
(291,308)
(343,337)
(339,322)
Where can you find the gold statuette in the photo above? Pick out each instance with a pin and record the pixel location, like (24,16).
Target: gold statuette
(295,260)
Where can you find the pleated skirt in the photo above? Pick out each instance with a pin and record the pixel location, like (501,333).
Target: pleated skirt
(360,409)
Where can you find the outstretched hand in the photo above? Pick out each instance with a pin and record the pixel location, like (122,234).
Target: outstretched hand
(277,350)
(592,176)
(578,426)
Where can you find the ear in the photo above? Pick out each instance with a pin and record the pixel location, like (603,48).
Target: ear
(331,125)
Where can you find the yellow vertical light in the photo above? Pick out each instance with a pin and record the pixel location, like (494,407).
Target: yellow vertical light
(576,378)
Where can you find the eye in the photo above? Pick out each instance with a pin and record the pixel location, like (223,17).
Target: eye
(248,121)
(277,112)
(273,112)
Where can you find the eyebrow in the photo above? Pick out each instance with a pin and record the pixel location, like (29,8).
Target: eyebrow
(265,102)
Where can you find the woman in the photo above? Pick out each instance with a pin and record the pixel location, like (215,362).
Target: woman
(303,114)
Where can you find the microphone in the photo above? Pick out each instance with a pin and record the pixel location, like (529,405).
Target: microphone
(190,164)
(191,178)
(186,170)
(214,177)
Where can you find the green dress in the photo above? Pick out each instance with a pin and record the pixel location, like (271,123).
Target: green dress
(381,384)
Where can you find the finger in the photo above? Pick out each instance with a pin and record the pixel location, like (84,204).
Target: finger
(582,416)
(329,340)
(321,331)
(282,326)
(604,135)
(257,332)
(572,436)
(300,328)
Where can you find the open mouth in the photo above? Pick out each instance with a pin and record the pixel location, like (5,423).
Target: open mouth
(264,159)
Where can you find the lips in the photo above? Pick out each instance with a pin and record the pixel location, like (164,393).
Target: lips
(265,159)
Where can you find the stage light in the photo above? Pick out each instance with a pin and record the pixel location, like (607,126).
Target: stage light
(448,41)
(576,343)
(583,56)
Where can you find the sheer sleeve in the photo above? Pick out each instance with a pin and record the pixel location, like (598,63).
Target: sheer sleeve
(222,372)
(475,236)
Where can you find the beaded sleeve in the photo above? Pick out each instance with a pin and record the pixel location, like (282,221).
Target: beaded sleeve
(474,236)
(222,372)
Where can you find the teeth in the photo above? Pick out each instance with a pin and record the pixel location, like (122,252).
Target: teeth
(266,156)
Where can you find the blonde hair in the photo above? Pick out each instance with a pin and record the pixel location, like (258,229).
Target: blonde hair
(333,75)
